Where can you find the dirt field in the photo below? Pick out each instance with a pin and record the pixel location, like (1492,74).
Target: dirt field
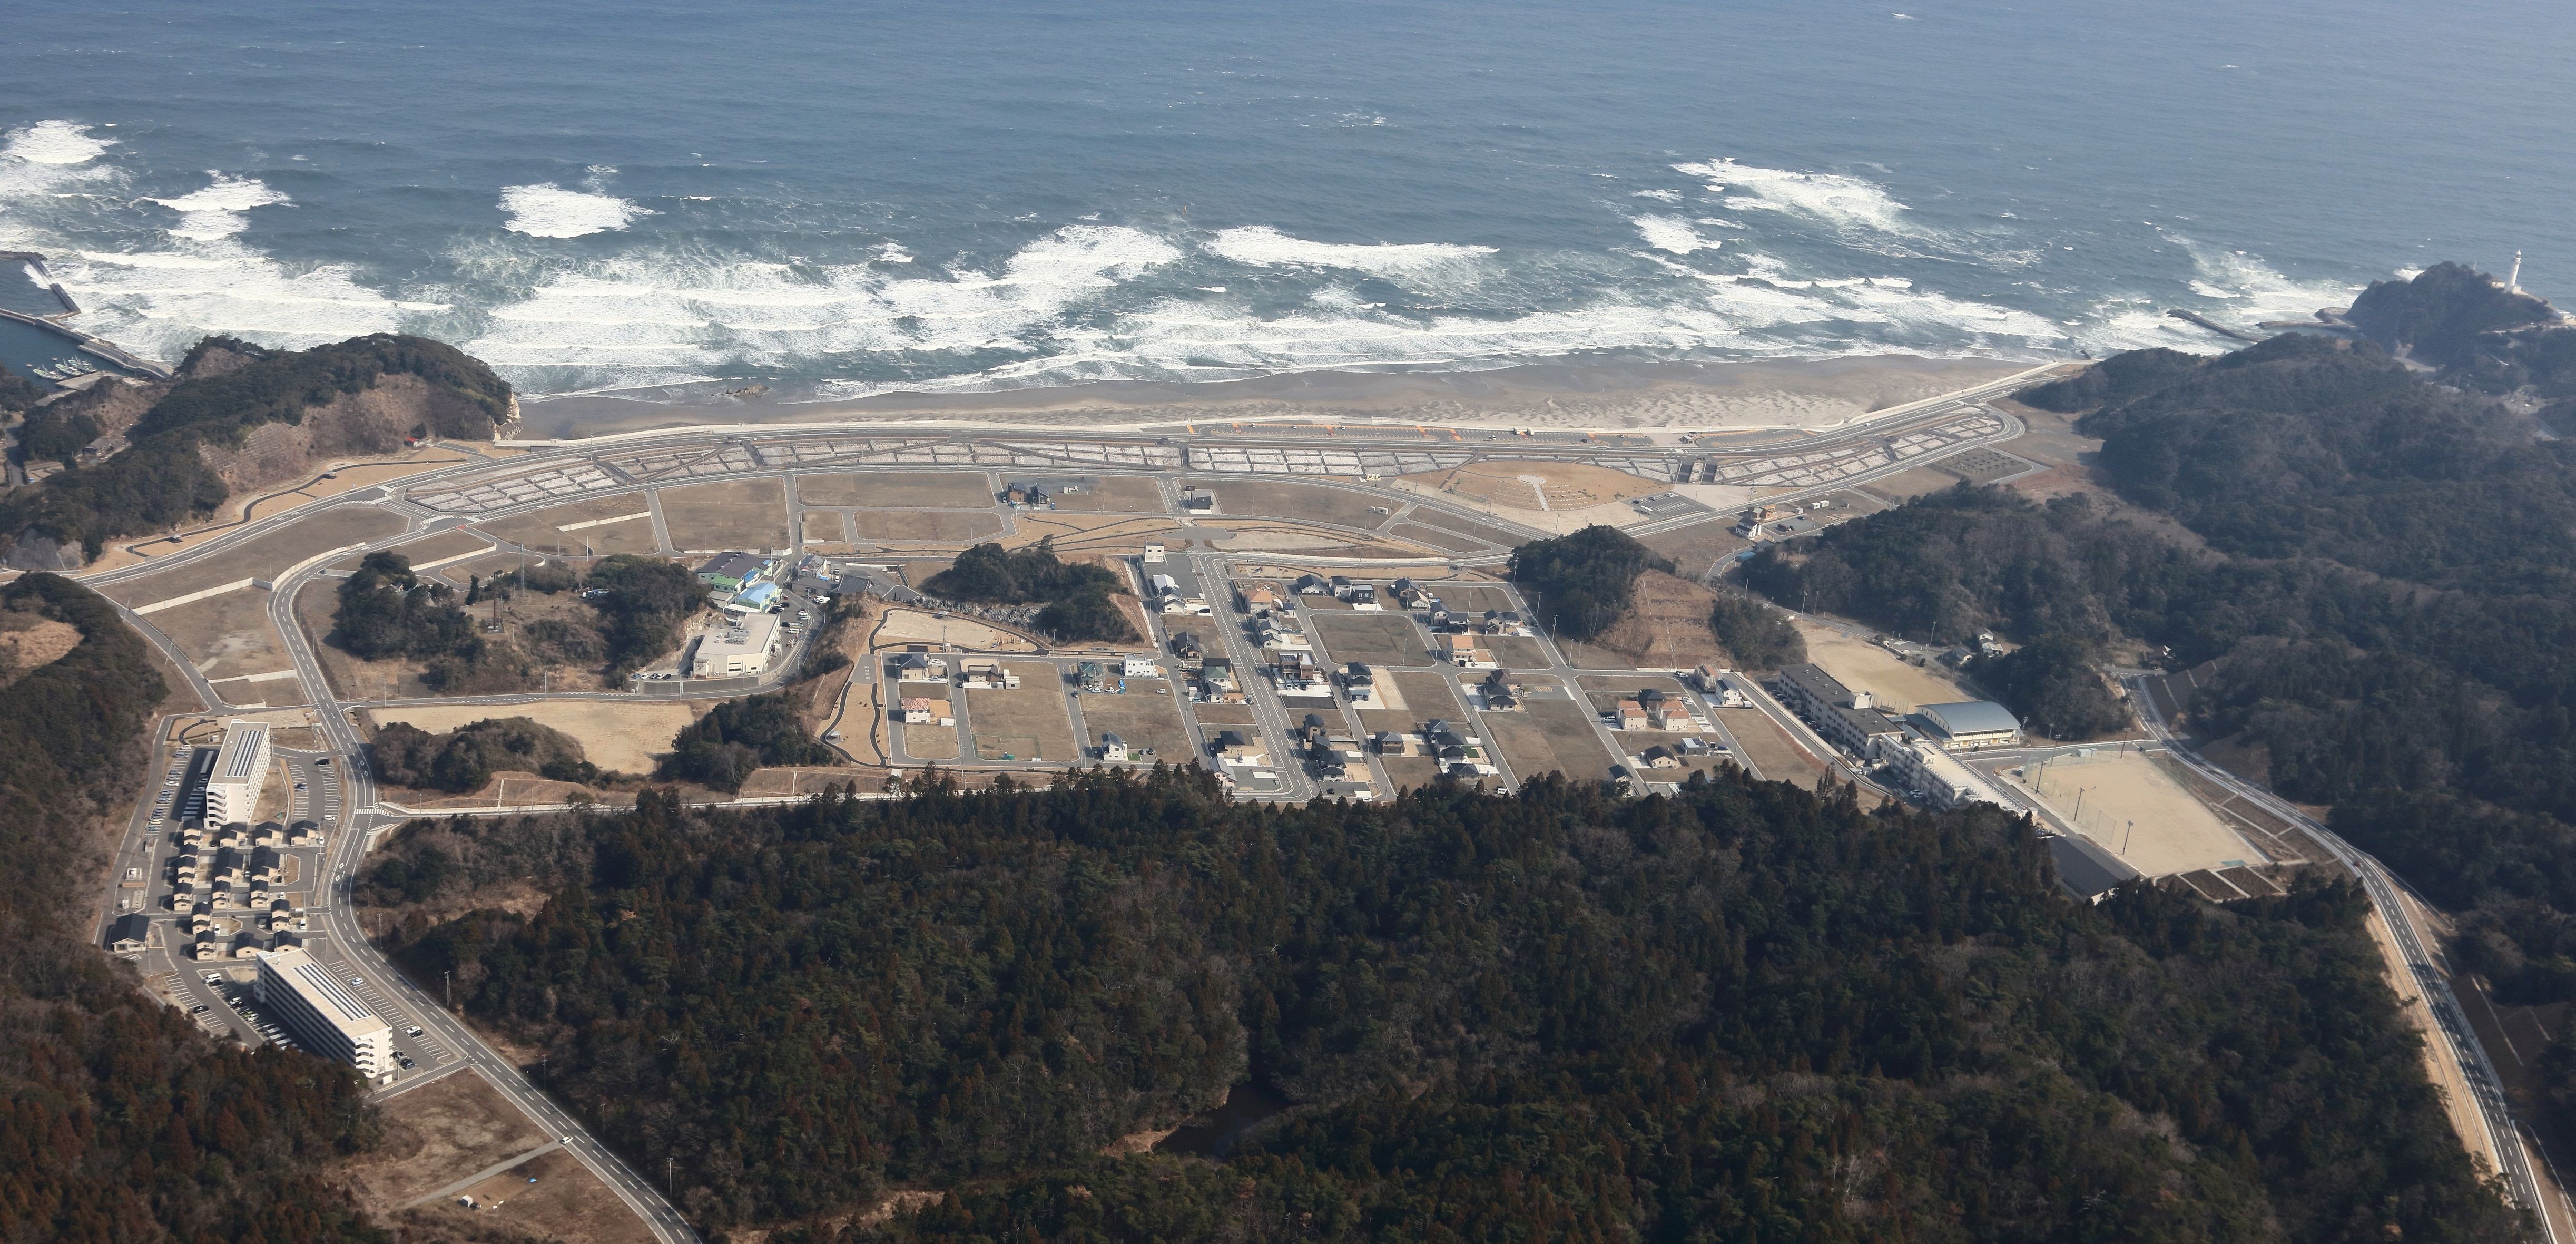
(959,489)
(1769,747)
(566,1202)
(1518,653)
(2136,811)
(438,1134)
(1553,736)
(1377,638)
(614,734)
(262,558)
(1144,719)
(442,546)
(1437,538)
(225,635)
(1409,772)
(1426,695)
(946,525)
(1864,666)
(1487,532)
(1520,484)
(1666,626)
(1029,723)
(1319,503)
(747,514)
(1234,715)
(1695,549)
(908,626)
(601,526)
(824,527)
(1917,482)
(1121,494)
(40,642)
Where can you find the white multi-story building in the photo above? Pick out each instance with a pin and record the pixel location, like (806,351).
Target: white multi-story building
(742,648)
(325,1012)
(241,765)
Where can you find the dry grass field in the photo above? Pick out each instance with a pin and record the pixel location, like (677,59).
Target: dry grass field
(1863,666)
(1237,497)
(1029,722)
(440,1133)
(1637,743)
(748,514)
(1233,716)
(262,558)
(2127,803)
(1430,517)
(1120,494)
(1696,550)
(1377,638)
(440,547)
(1519,653)
(1426,695)
(929,742)
(911,626)
(627,736)
(1521,483)
(939,525)
(1142,718)
(824,527)
(1475,597)
(1772,752)
(225,635)
(1666,626)
(953,489)
(1436,538)
(1552,736)
(599,526)
(1410,772)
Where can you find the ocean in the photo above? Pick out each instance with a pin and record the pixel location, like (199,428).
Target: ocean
(840,199)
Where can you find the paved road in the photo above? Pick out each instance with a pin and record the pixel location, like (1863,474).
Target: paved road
(2459,1041)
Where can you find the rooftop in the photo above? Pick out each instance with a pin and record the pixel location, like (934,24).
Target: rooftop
(1970,717)
(328,994)
(243,743)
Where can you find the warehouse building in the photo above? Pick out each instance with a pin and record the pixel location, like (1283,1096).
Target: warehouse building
(1970,724)
(232,788)
(728,572)
(742,648)
(326,1013)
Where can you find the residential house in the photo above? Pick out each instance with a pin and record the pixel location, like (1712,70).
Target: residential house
(1234,747)
(985,674)
(1261,596)
(1113,750)
(1313,585)
(1359,682)
(1629,715)
(1364,598)
(1140,667)
(1094,676)
(1464,652)
(917,711)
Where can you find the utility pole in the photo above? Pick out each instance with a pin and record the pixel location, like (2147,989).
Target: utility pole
(450,975)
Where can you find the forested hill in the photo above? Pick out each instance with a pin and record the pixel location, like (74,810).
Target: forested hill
(2388,587)
(1748,1013)
(119,1120)
(176,468)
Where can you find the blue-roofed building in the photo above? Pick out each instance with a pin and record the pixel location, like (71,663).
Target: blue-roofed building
(753,599)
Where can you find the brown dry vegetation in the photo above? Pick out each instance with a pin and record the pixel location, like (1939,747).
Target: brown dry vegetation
(1666,626)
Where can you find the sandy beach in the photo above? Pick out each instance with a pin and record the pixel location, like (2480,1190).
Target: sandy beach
(1773,393)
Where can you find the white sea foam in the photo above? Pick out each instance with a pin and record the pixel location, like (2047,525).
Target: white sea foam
(217,211)
(56,142)
(1673,234)
(547,210)
(1262,246)
(1846,203)
(1660,196)
(160,302)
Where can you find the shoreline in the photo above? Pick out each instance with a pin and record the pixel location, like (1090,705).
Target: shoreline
(1811,394)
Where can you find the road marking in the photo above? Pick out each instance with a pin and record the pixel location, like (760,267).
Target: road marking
(449,561)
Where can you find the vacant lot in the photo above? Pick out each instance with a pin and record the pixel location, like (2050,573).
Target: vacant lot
(1319,503)
(551,1196)
(1475,598)
(1616,685)
(440,547)
(1899,685)
(1144,719)
(1636,745)
(1029,722)
(263,558)
(225,635)
(946,525)
(929,742)
(1377,638)
(824,527)
(1695,550)
(1770,749)
(1120,494)
(626,736)
(440,1133)
(1554,736)
(2134,809)
(1437,538)
(903,626)
(1519,653)
(315,606)
(960,489)
(1522,483)
(597,527)
(1915,482)
(1409,772)
(1426,695)
(1234,715)
(748,514)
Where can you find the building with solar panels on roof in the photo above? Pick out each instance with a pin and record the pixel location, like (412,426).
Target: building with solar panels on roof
(325,1012)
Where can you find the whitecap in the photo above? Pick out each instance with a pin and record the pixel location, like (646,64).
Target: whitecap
(159,303)
(1263,246)
(1661,196)
(1848,203)
(56,142)
(216,211)
(1673,234)
(547,210)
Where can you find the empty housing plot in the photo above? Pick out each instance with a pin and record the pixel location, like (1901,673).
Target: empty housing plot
(551,1196)
(1436,538)
(614,734)
(1311,503)
(227,635)
(936,525)
(1027,722)
(1426,695)
(596,527)
(1553,736)
(1520,652)
(264,557)
(1769,748)
(1377,638)
(824,526)
(733,514)
(1141,718)
(1462,524)
(1474,597)
(1117,494)
(951,489)
(432,550)
(439,1133)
